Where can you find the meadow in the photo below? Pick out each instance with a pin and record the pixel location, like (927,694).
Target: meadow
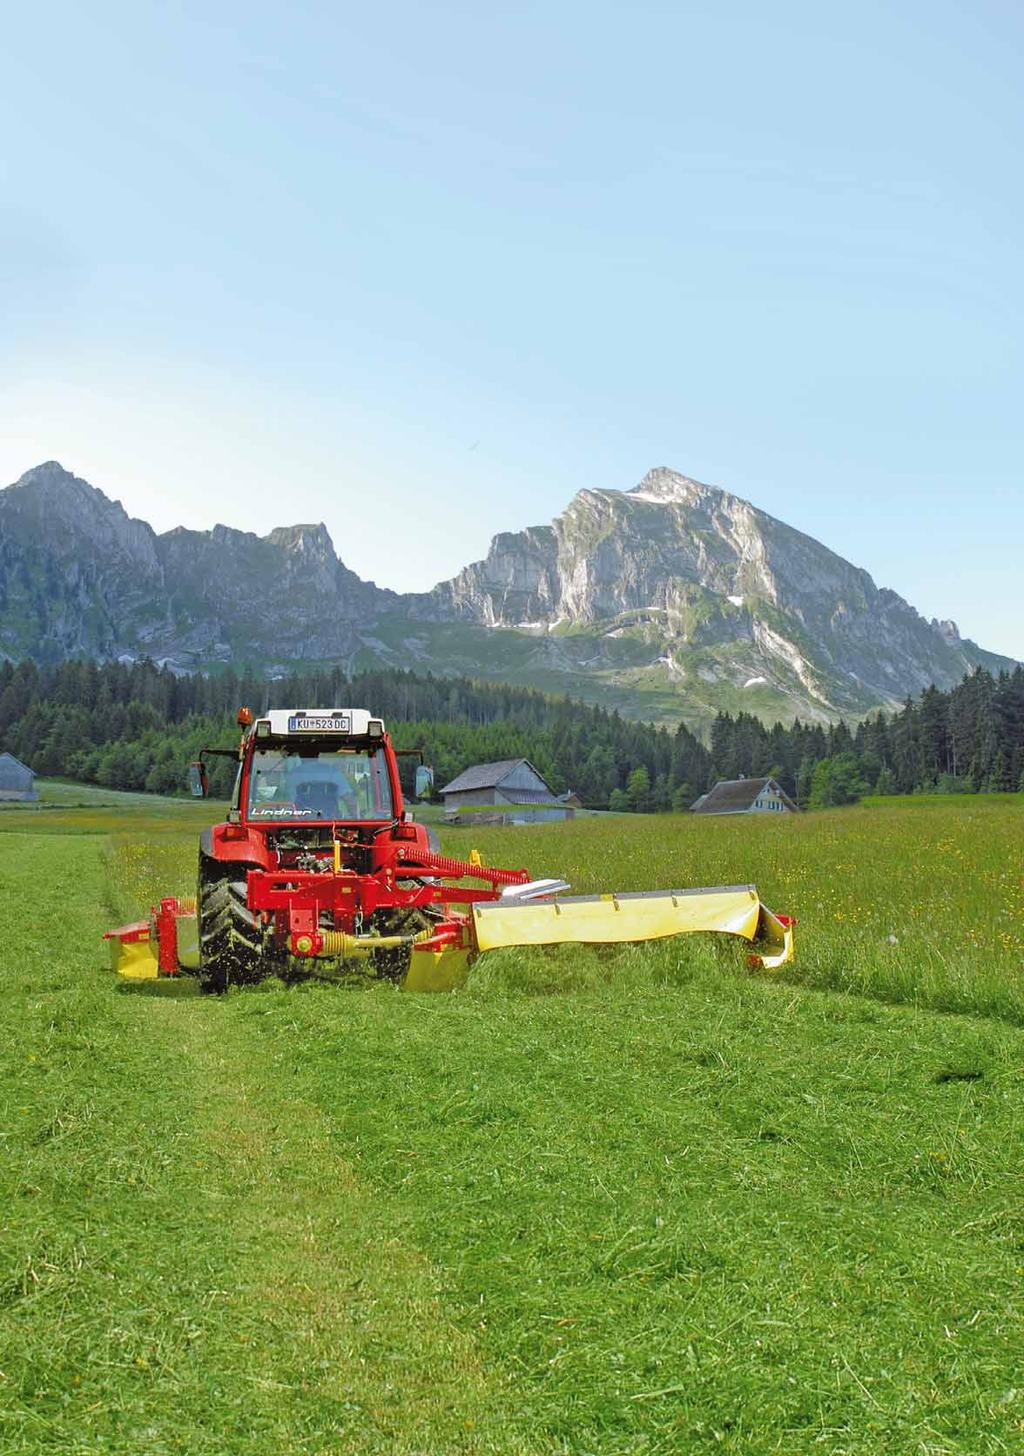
(637,1200)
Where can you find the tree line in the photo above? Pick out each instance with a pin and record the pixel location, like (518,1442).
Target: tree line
(137,726)
(967,740)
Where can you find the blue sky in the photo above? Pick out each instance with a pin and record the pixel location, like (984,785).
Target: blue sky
(423,272)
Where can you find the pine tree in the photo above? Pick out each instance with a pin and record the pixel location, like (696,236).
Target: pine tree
(638,790)
(885,783)
(682,797)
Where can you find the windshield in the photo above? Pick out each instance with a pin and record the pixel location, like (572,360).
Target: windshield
(334,784)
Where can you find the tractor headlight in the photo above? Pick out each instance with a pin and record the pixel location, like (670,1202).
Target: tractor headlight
(263,728)
(375,728)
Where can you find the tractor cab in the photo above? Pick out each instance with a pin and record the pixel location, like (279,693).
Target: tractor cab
(310,766)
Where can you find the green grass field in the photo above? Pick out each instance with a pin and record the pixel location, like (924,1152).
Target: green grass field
(627,1201)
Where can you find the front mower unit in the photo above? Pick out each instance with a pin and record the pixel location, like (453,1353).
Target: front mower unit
(319,870)
(164,945)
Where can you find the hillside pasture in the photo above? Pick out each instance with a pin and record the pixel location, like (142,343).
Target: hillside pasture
(635,1200)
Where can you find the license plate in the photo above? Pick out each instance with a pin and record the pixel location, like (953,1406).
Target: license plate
(320,725)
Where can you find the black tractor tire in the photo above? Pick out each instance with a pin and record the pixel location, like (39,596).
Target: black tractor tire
(230,936)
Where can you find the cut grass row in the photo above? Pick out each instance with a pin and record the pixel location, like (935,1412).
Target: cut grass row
(187,1263)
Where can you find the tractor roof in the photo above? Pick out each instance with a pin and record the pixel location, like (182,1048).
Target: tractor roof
(350,722)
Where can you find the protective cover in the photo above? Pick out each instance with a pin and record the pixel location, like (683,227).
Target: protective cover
(647,915)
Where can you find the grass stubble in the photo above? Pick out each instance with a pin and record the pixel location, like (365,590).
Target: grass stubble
(601,1201)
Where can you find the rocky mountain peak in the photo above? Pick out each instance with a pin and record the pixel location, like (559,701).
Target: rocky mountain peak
(305,540)
(724,598)
(48,470)
(947,630)
(51,503)
(663,484)
(58,488)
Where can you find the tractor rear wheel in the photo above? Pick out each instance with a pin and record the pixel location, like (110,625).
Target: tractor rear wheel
(230,941)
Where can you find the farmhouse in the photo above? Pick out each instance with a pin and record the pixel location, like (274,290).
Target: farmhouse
(513,787)
(745,796)
(16,780)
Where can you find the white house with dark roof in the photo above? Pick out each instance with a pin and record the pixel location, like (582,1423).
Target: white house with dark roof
(17,781)
(513,787)
(745,796)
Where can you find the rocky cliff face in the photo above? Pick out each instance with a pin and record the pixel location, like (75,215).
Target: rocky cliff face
(80,576)
(702,569)
(668,600)
(74,568)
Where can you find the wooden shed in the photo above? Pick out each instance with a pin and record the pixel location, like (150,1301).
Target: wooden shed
(17,781)
(513,787)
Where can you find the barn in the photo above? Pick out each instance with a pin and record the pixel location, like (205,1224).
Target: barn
(745,796)
(513,787)
(16,780)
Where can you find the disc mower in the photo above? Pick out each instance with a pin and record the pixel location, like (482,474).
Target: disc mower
(319,868)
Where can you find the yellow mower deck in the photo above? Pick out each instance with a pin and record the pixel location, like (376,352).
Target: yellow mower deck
(645,915)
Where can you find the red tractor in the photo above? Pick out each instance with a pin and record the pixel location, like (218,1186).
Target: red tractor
(319,867)
(319,860)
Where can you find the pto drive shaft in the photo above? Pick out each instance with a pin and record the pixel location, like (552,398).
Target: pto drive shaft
(340,943)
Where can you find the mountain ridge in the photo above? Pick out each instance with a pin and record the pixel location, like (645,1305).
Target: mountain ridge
(668,600)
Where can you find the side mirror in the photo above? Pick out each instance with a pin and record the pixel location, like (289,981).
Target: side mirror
(197,780)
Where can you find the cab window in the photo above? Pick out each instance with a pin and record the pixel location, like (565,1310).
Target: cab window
(319,786)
